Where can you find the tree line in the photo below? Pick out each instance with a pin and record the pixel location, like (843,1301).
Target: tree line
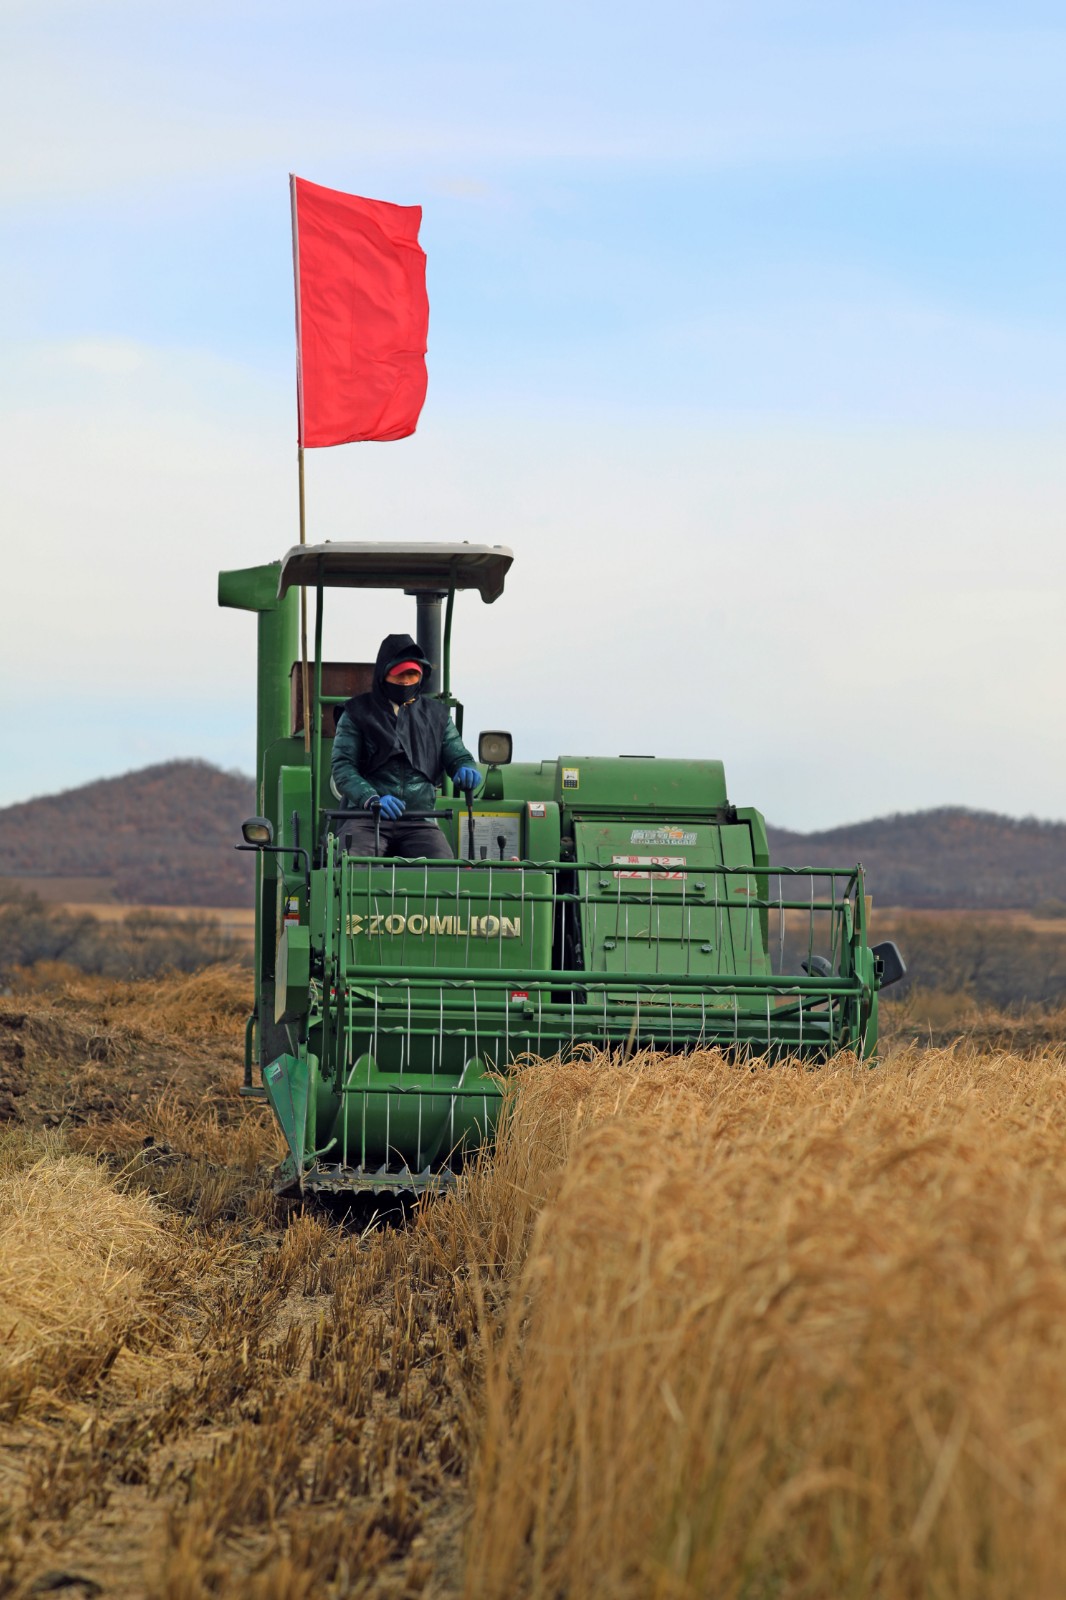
(142,944)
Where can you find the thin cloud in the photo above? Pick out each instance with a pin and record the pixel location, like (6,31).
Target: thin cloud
(818,581)
(111,357)
(118,116)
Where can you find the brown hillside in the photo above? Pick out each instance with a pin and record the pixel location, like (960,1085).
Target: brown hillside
(949,858)
(162,836)
(165,836)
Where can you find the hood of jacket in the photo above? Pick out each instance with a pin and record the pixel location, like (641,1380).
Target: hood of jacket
(398,647)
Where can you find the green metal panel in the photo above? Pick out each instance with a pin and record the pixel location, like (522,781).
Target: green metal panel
(662,908)
(287,753)
(293,825)
(617,784)
(287,1082)
(292,980)
(744,894)
(543,830)
(256,589)
(408,1118)
(444,916)
(529,780)
(756,825)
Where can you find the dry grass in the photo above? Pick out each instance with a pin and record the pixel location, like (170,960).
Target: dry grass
(72,1256)
(210,1004)
(937,1018)
(775,1333)
(695,1330)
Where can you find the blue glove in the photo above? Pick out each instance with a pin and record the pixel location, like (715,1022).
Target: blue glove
(390,807)
(468,777)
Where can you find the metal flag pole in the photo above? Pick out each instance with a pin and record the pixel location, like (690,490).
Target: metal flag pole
(305,676)
(305,673)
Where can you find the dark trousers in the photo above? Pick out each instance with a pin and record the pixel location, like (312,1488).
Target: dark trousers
(394,839)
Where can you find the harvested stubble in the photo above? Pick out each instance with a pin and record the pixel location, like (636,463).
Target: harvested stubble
(774,1332)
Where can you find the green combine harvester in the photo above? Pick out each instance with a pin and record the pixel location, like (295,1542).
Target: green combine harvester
(619,903)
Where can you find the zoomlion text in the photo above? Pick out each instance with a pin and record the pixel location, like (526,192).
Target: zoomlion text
(395,923)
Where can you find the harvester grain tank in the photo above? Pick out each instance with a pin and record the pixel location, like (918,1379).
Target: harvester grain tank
(621,903)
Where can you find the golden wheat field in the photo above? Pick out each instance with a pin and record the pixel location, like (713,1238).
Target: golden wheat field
(696,1330)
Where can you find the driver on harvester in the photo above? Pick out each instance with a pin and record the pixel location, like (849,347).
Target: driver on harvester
(391,750)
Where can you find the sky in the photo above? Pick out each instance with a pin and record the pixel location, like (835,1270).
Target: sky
(747,334)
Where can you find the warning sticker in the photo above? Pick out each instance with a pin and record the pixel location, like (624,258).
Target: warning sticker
(631,865)
(537,808)
(571,777)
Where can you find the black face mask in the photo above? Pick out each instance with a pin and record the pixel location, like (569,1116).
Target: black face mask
(400,693)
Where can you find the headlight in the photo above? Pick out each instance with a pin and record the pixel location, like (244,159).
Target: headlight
(258,830)
(494,749)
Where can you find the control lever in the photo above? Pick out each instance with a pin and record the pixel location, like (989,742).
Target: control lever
(469,793)
(501,840)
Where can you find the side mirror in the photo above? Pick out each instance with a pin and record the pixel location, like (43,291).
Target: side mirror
(891,966)
(494,749)
(258,831)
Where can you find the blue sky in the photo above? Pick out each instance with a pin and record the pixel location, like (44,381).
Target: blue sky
(747,333)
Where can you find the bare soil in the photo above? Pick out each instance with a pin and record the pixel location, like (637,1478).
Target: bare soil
(289,1415)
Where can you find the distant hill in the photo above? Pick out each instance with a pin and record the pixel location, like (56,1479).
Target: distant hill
(165,836)
(162,836)
(950,858)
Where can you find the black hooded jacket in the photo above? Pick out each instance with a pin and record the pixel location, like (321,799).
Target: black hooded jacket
(405,752)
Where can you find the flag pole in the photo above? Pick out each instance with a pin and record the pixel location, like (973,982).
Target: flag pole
(305,672)
(305,676)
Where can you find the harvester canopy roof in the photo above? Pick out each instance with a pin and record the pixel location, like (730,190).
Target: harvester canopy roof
(392,565)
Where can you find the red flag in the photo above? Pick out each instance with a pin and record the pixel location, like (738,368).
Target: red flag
(362,316)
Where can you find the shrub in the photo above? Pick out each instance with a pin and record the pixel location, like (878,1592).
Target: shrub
(141,945)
